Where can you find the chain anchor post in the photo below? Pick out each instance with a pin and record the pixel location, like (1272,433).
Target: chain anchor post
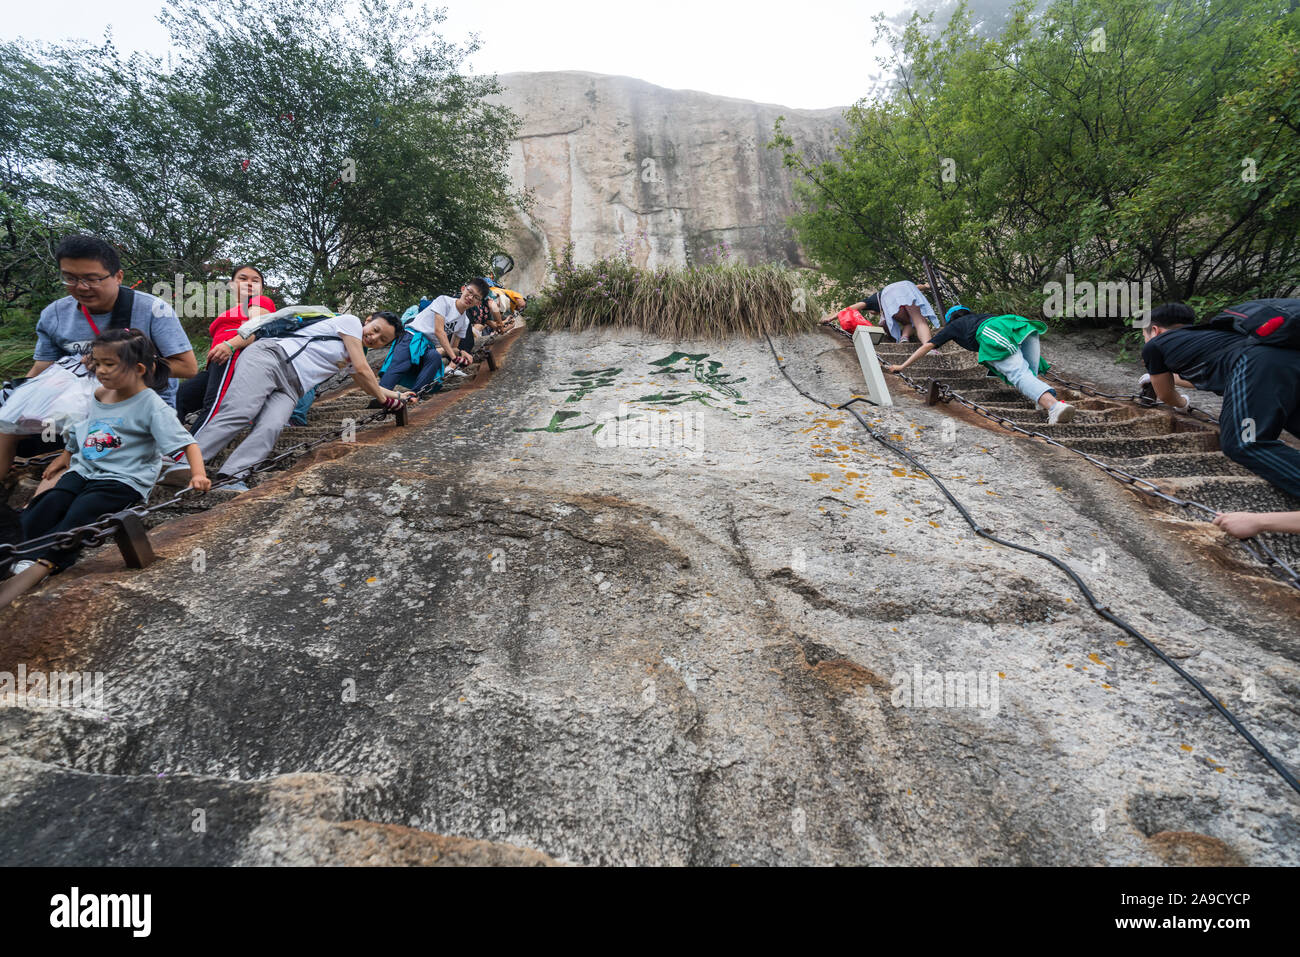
(132,540)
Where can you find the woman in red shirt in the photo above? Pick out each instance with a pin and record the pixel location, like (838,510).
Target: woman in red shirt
(204,392)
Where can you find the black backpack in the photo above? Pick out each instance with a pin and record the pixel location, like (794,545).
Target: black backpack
(289,327)
(1270,322)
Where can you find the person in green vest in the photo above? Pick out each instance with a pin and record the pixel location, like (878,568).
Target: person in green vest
(1006,344)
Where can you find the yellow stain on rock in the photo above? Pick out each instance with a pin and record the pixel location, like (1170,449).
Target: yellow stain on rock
(881,511)
(818,476)
(1187,747)
(1092,656)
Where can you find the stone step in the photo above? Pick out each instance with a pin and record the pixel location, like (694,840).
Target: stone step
(1021,412)
(1185,464)
(1130,447)
(936,365)
(189,504)
(334,419)
(1232,493)
(991,390)
(901,350)
(1126,428)
(338,404)
(293,437)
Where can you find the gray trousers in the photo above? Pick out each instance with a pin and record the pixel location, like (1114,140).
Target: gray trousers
(263,393)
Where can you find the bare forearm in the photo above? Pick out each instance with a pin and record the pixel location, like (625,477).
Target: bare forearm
(183,365)
(194,459)
(1249,524)
(918,354)
(1281,522)
(1163,384)
(365,378)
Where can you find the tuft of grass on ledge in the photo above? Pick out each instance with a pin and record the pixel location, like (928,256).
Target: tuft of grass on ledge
(713,300)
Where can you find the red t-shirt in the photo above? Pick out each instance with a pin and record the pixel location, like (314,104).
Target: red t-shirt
(226,326)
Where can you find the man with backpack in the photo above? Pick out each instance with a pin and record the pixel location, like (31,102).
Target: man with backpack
(1247,354)
(288,356)
(91,271)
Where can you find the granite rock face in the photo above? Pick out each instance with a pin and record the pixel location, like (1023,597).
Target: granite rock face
(726,628)
(673,173)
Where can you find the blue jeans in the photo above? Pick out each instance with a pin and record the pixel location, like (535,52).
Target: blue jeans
(299,416)
(401,366)
(1020,368)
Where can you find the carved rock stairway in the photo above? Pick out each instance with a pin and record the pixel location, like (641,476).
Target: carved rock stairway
(1180,455)
(330,413)
(326,417)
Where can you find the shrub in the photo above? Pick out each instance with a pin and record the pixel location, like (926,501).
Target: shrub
(713,299)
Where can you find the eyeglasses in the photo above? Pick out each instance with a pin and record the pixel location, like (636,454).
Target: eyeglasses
(84,282)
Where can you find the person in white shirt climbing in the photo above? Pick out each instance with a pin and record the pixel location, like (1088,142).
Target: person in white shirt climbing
(274,373)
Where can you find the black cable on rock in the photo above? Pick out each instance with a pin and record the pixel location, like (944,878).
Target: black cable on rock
(1096,606)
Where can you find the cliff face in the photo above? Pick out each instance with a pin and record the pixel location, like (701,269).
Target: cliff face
(728,628)
(671,173)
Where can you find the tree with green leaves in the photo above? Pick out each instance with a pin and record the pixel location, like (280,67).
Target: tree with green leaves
(376,168)
(1113,140)
(346,151)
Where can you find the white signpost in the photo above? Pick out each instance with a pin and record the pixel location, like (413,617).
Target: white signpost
(864,340)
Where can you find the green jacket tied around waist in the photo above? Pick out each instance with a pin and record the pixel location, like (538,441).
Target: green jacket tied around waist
(1000,337)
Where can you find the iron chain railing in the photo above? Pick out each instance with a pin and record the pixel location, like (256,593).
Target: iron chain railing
(111,526)
(1259,550)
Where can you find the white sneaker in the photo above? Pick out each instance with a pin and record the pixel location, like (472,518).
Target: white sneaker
(1060,413)
(22,566)
(459,373)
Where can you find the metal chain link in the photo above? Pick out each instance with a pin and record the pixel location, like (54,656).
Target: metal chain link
(1143,400)
(1260,551)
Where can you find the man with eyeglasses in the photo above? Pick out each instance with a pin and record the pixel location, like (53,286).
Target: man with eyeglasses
(437,331)
(91,271)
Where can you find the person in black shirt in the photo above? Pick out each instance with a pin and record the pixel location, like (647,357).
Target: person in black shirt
(1008,344)
(1260,385)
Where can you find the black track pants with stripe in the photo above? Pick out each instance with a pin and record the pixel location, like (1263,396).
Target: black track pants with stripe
(1262,399)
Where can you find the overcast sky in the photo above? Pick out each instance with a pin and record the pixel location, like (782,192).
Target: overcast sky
(798,53)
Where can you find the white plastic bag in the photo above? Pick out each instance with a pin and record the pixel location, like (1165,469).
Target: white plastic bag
(56,399)
(288,312)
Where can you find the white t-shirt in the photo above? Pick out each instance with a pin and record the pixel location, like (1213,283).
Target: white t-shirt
(320,360)
(455,322)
